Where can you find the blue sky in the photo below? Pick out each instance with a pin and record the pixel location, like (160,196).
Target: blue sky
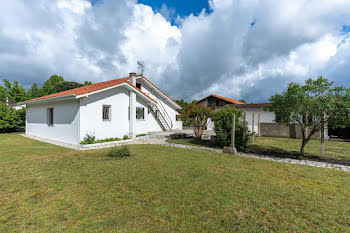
(181,7)
(177,7)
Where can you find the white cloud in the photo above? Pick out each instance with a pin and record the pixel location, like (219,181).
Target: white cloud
(218,52)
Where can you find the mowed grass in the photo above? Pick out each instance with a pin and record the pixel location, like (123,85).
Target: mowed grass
(333,150)
(45,188)
(193,142)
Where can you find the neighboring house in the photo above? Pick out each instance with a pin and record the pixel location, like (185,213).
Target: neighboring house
(264,121)
(256,114)
(126,106)
(216,101)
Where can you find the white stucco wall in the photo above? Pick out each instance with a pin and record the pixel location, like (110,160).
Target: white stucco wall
(149,124)
(91,114)
(66,118)
(265,117)
(164,104)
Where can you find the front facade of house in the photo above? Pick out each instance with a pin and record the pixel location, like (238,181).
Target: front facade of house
(128,106)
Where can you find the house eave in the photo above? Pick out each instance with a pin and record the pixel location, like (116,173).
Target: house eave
(56,98)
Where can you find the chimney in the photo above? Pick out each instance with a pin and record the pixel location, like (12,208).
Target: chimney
(132,76)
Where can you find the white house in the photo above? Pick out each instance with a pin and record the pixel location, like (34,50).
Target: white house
(126,106)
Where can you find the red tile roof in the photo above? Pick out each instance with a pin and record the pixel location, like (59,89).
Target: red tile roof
(90,88)
(223,98)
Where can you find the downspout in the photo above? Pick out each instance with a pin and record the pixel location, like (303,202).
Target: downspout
(132,107)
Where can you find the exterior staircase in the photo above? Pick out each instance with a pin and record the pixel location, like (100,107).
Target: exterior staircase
(163,119)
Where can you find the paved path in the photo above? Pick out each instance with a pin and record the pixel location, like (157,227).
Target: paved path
(160,138)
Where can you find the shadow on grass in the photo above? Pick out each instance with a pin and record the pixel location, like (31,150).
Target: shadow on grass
(281,153)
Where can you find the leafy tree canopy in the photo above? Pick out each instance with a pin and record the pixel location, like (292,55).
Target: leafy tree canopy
(311,106)
(49,85)
(66,85)
(197,116)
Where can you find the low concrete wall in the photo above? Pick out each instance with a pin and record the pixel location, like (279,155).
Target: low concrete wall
(284,131)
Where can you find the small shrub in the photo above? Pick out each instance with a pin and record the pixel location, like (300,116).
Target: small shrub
(89,138)
(141,135)
(122,151)
(223,126)
(107,140)
(126,137)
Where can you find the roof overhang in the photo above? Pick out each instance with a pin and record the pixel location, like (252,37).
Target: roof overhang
(127,85)
(56,98)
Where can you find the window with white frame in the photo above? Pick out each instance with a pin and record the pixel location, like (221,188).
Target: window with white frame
(50,116)
(106,112)
(140,113)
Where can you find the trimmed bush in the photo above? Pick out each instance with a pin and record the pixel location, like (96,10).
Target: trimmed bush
(122,151)
(223,126)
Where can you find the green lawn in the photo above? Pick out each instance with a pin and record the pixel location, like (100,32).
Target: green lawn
(193,142)
(45,188)
(338,151)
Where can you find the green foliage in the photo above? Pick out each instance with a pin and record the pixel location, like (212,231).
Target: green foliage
(182,103)
(141,135)
(3,94)
(34,91)
(22,115)
(49,85)
(89,138)
(126,137)
(13,91)
(196,116)
(86,83)
(107,140)
(10,119)
(66,85)
(122,151)
(311,106)
(223,127)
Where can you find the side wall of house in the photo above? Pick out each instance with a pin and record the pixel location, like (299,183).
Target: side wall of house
(92,119)
(163,105)
(149,124)
(65,121)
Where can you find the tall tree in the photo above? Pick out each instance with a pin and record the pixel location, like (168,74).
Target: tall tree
(34,91)
(15,92)
(312,106)
(49,85)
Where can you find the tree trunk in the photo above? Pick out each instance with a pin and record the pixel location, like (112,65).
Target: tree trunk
(303,143)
